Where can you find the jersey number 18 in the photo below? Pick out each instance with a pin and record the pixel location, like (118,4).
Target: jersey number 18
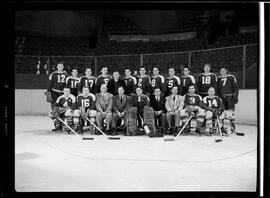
(206,80)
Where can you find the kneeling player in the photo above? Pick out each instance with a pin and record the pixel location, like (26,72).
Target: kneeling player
(214,108)
(193,107)
(63,108)
(85,109)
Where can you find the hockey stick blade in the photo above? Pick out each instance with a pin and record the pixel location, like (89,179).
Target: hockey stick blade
(240,134)
(218,140)
(88,138)
(114,138)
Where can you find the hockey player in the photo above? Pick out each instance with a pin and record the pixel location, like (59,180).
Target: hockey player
(63,108)
(72,82)
(114,83)
(172,81)
(187,80)
(193,107)
(144,82)
(87,81)
(206,80)
(228,92)
(140,101)
(131,83)
(56,83)
(85,108)
(157,81)
(104,78)
(214,108)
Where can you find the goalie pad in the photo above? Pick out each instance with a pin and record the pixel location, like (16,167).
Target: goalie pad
(228,115)
(209,124)
(48,96)
(69,116)
(76,117)
(184,116)
(193,124)
(227,126)
(92,115)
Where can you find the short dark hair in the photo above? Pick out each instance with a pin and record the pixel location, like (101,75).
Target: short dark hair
(186,67)
(207,64)
(60,62)
(116,71)
(74,69)
(121,87)
(192,85)
(224,67)
(171,68)
(138,87)
(85,87)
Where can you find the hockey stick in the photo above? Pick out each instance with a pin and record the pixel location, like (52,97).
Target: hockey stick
(111,138)
(173,139)
(219,130)
(239,133)
(73,130)
(145,127)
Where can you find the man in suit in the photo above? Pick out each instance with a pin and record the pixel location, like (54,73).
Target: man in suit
(174,103)
(140,101)
(104,105)
(157,102)
(120,105)
(114,83)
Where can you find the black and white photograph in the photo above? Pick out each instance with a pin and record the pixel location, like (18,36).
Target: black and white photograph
(137,100)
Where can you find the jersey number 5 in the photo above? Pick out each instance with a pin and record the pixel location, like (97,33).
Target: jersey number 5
(170,83)
(61,78)
(206,80)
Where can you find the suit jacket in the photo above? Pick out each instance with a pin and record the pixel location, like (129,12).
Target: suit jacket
(104,104)
(174,105)
(118,106)
(157,106)
(140,104)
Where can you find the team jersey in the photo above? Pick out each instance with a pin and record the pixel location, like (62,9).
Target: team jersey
(87,82)
(57,81)
(131,83)
(158,82)
(205,81)
(102,80)
(66,102)
(186,82)
(213,102)
(171,82)
(192,99)
(145,83)
(72,83)
(227,85)
(86,101)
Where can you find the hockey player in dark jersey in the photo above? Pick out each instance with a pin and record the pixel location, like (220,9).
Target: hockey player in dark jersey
(157,81)
(85,108)
(131,83)
(56,83)
(114,83)
(172,81)
(206,80)
(214,108)
(193,107)
(187,80)
(72,82)
(144,82)
(63,108)
(87,81)
(228,92)
(104,78)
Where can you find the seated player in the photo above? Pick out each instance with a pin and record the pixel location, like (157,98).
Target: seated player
(157,102)
(120,104)
(193,107)
(174,104)
(63,108)
(104,105)
(214,108)
(85,108)
(140,101)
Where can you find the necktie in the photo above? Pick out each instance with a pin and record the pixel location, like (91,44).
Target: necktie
(121,99)
(158,99)
(139,99)
(174,98)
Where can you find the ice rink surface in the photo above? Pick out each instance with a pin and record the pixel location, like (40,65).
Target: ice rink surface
(59,162)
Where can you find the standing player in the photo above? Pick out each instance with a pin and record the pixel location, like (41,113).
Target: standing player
(63,108)
(87,81)
(144,82)
(131,83)
(56,83)
(104,78)
(172,81)
(157,81)
(187,80)
(214,107)
(85,107)
(228,92)
(206,80)
(72,82)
